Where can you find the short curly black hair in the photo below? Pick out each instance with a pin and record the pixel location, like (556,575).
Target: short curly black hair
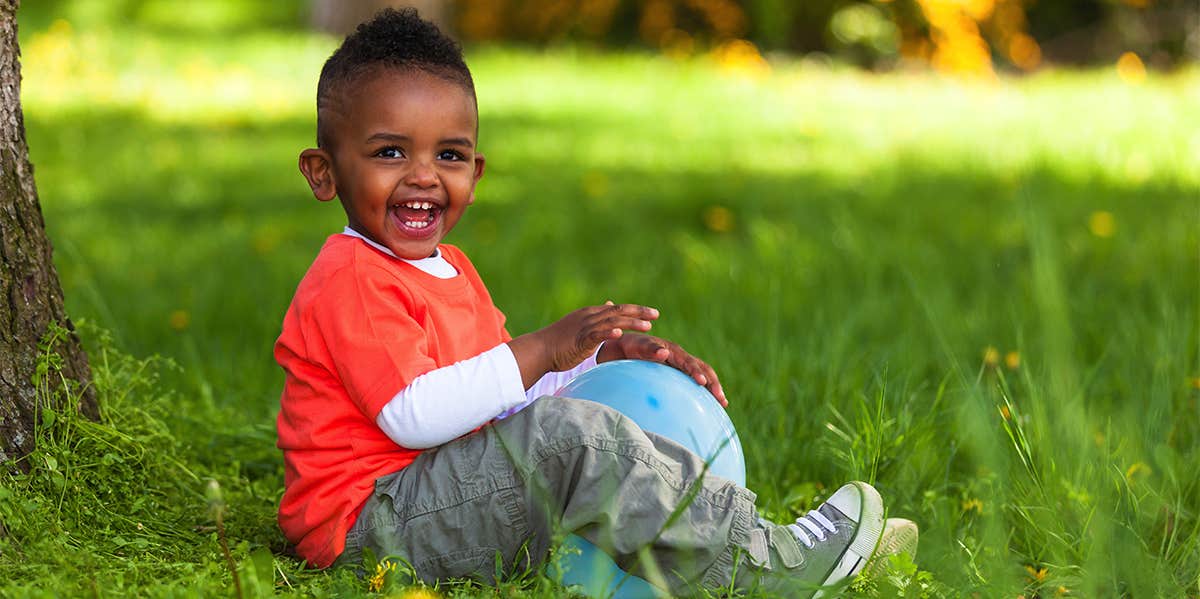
(396,39)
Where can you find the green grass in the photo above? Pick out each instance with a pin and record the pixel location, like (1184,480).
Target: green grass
(842,247)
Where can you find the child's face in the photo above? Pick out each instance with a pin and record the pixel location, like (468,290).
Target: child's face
(402,159)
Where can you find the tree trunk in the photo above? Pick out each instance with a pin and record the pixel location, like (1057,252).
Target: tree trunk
(342,16)
(31,298)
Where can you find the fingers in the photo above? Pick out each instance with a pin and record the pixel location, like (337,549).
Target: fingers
(644,347)
(608,323)
(635,310)
(700,371)
(616,317)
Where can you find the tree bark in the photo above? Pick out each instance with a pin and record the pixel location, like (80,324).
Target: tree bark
(31,298)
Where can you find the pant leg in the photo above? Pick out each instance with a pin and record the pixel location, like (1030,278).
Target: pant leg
(560,465)
(592,471)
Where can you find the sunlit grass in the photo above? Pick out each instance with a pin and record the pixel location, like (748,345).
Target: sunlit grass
(981,296)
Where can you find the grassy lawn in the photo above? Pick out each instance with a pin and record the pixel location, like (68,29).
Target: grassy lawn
(981,297)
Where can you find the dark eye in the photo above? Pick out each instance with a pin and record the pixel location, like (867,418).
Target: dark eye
(390,152)
(449,155)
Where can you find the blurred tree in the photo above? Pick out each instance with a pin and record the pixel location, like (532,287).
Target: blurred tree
(670,25)
(964,37)
(342,16)
(32,297)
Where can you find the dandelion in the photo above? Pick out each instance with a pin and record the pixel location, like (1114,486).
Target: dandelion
(1012,360)
(1135,469)
(991,356)
(179,320)
(973,504)
(265,241)
(419,593)
(595,184)
(718,219)
(1102,224)
(375,582)
(1038,575)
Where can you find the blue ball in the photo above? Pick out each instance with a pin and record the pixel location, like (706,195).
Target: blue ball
(661,400)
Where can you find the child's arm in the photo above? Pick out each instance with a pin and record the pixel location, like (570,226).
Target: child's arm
(448,402)
(494,382)
(484,387)
(567,342)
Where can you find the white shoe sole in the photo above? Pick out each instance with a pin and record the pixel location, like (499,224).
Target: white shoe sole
(899,536)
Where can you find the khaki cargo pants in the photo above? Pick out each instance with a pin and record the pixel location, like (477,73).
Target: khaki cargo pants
(558,466)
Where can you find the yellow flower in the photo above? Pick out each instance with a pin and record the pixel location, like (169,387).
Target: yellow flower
(1012,360)
(1102,224)
(1004,413)
(179,320)
(1135,469)
(375,582)
(1038,575)
(419,593)
(1195,381)
(595,184)
(991,356)
(718,219)
(973,504)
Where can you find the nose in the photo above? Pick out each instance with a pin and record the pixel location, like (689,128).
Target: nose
(421,175)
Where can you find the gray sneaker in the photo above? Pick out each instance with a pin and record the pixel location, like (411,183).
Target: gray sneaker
(827,546)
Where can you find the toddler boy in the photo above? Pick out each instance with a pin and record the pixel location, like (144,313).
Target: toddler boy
(413,425)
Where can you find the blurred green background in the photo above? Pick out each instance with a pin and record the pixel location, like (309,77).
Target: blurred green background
(916,255)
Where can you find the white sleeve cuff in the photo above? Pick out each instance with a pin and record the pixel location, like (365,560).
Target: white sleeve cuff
(551,382)
(449,402)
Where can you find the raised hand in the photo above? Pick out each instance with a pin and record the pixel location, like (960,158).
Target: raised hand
(564,344)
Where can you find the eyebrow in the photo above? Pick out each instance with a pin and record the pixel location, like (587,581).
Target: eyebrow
(396,137)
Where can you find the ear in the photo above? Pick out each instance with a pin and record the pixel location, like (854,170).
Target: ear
(317,166)
(480,161)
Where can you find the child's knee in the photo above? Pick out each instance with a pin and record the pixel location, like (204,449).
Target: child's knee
(563,416)
(556,425)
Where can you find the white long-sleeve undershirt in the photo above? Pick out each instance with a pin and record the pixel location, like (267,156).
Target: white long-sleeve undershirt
(449,402)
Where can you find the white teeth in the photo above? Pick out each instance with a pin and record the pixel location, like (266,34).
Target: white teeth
(418,205)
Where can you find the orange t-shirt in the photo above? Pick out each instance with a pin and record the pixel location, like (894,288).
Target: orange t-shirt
(360,328)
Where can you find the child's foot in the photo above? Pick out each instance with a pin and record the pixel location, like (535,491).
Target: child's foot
(899,536)
(832,542)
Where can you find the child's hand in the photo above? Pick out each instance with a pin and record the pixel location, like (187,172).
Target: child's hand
(564,344)
(654,349)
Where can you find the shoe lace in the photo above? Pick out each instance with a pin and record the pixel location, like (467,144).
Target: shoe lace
(809,527)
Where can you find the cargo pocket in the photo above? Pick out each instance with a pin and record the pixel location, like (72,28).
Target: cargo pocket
(477,564)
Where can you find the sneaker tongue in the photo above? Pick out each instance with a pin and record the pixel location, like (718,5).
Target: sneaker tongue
(833,513)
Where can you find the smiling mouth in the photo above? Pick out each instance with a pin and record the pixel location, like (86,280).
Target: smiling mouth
(416,216)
